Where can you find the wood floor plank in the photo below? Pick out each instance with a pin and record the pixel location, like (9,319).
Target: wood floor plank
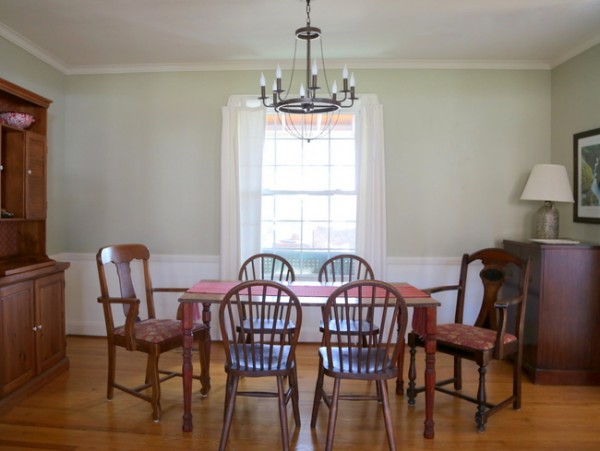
(72,413)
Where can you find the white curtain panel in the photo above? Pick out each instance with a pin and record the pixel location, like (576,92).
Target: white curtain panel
(371,242)
(242,142)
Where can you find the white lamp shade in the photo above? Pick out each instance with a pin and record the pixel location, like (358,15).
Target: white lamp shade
(548,182)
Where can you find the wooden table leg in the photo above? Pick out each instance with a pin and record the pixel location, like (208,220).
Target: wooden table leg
(205,373)
(430,346)
(187,368)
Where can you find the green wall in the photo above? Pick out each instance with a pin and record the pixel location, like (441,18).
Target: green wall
(575,108)
(137,156)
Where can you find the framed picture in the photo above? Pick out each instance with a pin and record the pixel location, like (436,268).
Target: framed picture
(586,179)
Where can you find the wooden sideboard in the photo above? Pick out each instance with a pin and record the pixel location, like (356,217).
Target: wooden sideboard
(562,320)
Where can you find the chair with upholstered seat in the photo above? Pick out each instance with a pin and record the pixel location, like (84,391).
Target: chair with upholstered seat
(150,335)
(275,311)
(374,358)
(496,334)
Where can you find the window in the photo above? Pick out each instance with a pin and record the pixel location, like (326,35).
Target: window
(242,148)
(309,194)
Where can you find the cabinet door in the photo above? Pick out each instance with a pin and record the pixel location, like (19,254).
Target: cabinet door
(50,321)
(17,342)
(35,178)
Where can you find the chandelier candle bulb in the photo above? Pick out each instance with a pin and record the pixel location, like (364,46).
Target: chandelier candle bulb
(278,72)
(334,88)
(315,69)
(263,82)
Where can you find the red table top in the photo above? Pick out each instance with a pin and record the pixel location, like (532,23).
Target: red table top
(300,289)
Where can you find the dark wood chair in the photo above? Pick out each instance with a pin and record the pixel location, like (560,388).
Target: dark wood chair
(274,309)
(267,267)
(151,335)
(373,359)
(345,268)
(496,333)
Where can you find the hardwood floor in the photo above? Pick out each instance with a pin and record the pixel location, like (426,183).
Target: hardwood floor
(72,413)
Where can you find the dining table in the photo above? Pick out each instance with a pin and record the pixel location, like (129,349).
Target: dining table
(196,305)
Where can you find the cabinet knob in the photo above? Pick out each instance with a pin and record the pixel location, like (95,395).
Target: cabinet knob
(28,171)
(1,167)
(35,328)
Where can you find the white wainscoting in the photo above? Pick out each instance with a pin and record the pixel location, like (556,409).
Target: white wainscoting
(84,315)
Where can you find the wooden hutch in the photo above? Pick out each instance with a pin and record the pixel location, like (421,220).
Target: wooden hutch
(32,286)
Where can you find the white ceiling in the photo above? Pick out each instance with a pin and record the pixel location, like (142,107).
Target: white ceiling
(100,36)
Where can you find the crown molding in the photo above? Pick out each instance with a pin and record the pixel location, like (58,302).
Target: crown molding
(25,44)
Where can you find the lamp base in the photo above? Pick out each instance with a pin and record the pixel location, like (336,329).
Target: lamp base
(546,225)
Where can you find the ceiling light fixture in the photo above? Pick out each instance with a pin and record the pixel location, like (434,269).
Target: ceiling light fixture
(309,116)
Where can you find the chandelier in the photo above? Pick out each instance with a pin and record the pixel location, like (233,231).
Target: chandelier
(310,115)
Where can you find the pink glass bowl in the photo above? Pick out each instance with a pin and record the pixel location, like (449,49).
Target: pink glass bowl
(18,120)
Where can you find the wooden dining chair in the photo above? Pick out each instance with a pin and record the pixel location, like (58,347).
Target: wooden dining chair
(273,308)
(496,334)
(149,335)
(374,359)
(345,268)
(267,267)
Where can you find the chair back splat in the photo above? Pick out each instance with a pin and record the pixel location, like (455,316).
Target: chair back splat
(497,333)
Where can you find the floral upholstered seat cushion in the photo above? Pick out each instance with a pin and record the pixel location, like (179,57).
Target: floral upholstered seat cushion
(469,336)
(157,330)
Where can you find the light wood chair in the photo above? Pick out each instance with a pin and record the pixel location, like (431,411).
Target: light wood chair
(374,358)
(273,308)
(151,335)
(497,333)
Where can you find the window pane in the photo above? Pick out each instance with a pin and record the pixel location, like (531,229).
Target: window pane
(343,208)
(305,219)
(343,178)
(288,208)
(316,207)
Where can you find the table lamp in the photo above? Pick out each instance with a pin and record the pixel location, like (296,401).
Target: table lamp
(548,183)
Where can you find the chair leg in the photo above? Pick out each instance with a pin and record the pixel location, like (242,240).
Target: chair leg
(517,374)
(332,415)
(318,394)
(285,436)
(400,378)
(457,373)
(228,393)
(480,417)
(387,415)
(155,380)
(232,384)
(295,397)
(412,375)
(110,387)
